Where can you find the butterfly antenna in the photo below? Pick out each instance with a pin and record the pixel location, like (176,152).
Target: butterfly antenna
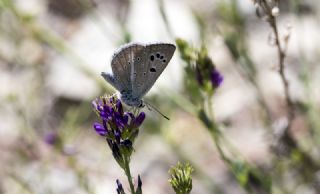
(154,108)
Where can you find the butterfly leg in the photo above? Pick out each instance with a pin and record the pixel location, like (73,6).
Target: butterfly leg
(148,106)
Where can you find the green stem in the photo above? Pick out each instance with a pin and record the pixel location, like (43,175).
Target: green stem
(214,131)
(128,174)
(216,141)
(210,108)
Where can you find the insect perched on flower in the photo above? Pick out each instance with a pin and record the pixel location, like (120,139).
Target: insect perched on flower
(136,67)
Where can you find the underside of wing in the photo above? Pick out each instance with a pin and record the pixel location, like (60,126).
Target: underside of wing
(121,65)
(148,65)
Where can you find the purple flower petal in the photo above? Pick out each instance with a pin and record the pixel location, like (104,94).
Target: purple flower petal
(127,143)
(216,78)
(106,108)
(94,105)
(139,181)
(104,123)
(100,129)
(125,119)
(97,104)
(117,136)
(140,118)
(104,115)
(115,150)
(117,115)
(131,115)
(119,187)
(51,138)
(119,107)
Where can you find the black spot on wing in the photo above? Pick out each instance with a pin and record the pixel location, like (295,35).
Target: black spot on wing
(152,69)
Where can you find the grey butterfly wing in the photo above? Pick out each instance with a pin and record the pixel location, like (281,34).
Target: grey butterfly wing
(148,65)
(121,64)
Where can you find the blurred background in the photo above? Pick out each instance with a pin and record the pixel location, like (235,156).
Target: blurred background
(53,51)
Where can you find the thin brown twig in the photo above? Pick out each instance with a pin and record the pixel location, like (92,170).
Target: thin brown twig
(281,58)
(287,138)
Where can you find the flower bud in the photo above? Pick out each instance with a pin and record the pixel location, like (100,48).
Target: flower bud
(275,11)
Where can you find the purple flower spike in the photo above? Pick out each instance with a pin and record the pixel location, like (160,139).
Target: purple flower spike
(138,121)
(118,127)
(139,181)
(139,189)
(100,129)
(216,78)
(119,187)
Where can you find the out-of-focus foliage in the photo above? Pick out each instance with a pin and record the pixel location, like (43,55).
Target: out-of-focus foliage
(257,131)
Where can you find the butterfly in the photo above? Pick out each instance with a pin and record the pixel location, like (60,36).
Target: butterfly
(135,69)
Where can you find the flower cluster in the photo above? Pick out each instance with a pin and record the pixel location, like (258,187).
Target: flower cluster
(206,72)
(181,180)
(118,127)
(201,73)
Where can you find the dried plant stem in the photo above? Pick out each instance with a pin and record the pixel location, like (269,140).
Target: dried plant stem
(287,138)
(309,164)
(285,82)
(281,58)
